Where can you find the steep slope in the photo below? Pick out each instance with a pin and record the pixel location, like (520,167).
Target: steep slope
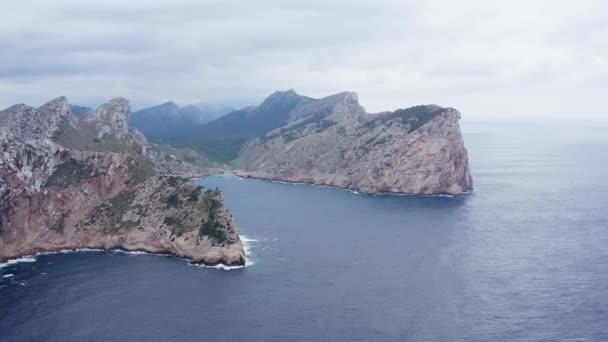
(153,121)
(333,142)
(67,183)
(253,121)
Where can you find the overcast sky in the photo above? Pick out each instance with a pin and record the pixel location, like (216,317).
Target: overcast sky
(489,59)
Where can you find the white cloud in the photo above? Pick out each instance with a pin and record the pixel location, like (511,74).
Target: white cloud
(489,59)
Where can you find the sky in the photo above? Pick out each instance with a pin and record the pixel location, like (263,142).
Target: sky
(538,59)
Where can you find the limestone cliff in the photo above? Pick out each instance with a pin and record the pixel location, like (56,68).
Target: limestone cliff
(67,183)
(333,141)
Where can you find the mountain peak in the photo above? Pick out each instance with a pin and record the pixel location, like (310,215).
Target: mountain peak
(281,96)
(167,109)
(111,118)
(27,122)
(168,104)
(345,96)
(283,101)
(288,92)
(347,99)
(59,105)
(118,101)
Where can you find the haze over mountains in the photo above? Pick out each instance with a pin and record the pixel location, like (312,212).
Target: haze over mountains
(217,132)
(170,120)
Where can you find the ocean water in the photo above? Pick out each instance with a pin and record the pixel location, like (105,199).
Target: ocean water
(524,257)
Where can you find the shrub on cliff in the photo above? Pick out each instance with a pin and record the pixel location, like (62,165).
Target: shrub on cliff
(70,172)
(173,200)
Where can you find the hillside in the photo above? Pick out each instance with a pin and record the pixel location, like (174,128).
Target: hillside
(71,183)
(333,141)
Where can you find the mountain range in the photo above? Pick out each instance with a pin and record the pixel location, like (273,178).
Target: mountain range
(331,141)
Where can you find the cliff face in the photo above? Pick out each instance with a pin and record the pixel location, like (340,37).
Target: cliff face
(68,184)
(333,142)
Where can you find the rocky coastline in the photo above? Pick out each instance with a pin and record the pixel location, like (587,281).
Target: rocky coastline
(418,150)
(70,183)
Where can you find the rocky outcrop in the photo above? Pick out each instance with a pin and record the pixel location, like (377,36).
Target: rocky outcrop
(111,118)
(333,141)
(67,184)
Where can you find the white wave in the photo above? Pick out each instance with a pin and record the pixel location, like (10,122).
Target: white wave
(247,244)
(29,258)
(32,258)
(8,275)
(76,250)
(223,267)
(134,252)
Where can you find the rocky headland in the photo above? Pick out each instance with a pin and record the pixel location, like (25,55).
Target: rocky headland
(94,182)
(333,141)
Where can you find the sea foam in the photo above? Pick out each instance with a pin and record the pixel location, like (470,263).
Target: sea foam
(32,258)
(29,258)
(247,244)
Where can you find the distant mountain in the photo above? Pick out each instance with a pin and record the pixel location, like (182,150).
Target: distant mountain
(80,111)
(257,120)
(219,139)
(222,138)
(168,120)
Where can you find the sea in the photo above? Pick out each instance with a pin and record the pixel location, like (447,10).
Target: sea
(523,257)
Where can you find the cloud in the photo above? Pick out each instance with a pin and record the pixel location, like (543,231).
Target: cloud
(488,59)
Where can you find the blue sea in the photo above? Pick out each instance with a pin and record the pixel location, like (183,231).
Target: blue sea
(524,257)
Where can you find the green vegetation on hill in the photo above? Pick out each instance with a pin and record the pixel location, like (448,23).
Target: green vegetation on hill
(213,226)
(214,149)
(112,211)
(414,116)
(84,138)
(68,173)
(296,130)
(184,204)
(140,168)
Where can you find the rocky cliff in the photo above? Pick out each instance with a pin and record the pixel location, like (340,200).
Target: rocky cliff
(333,141)
(67,183)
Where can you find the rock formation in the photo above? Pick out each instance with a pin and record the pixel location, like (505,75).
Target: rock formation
(69,183)
(333,141)
(111,118)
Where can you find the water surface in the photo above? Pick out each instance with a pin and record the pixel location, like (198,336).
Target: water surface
(522,258)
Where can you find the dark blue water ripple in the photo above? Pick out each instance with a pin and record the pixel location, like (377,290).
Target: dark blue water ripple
(522,258)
